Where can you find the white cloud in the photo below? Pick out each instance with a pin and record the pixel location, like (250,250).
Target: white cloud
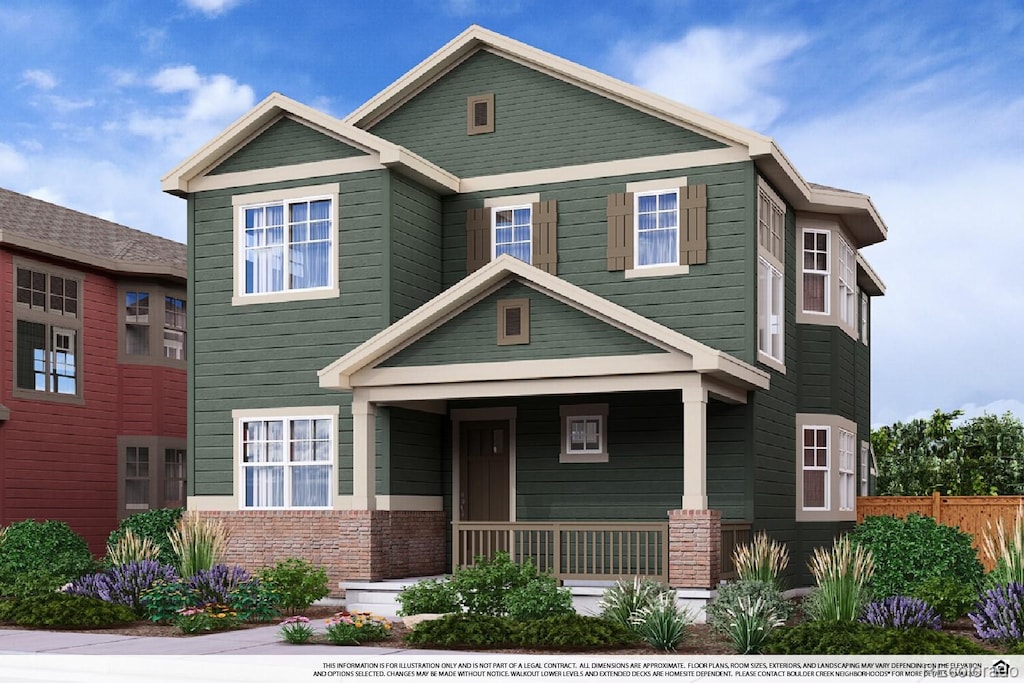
(176,79)
(211,8)
(65,105)
(11,162)
(40,78)
(725,72)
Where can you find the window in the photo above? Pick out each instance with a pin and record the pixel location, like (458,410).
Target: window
(826,468)
(136,318)
(47,333)
(174,328)
(847,285)
(583,433)
(771,231)
(847,471)
(513,322)
(864,481)
(864,315)
(151,472)
(816,271)
(480,114)
(815,468)
(657,228)
(287,462)
(511,230)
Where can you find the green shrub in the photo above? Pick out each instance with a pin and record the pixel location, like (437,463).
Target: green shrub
(429,596)
(720,611)
(950,598)
(625,599)
(573,631)
(464,630)
(297,583)
(909,551)
(663,624)
(164,599)
(852,638)
(154,525)
(63,611)
(40,556)
(494,587)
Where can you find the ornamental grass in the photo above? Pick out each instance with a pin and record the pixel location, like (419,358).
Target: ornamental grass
(1004,549)
(763,559)
(841,574)
(198,542)
(131,548)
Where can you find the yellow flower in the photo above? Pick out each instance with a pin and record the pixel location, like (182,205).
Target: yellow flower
(359,624)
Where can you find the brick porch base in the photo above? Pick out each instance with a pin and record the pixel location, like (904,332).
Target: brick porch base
(353,545)
(694,547)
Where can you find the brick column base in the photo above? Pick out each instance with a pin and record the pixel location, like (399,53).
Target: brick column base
(694,548)
(353,545)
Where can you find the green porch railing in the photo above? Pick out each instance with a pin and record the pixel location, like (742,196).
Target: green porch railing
(733,534)
(569,550)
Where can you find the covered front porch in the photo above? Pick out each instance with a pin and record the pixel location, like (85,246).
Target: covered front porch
(594,467)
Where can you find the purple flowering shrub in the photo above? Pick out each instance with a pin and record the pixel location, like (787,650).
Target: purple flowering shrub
(999,614)
(901,612)
(124,584)
(217,583)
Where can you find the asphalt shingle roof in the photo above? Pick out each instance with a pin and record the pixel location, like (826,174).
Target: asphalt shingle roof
(70,230)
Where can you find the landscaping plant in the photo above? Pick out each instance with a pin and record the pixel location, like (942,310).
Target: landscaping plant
(842,574)
(748,624)
(726,603)
(355,628)
(999,615)
(255,601)
(216,583)
(663,624)
(574,631)
(64,611)
(908,552)
(463,630)
(625,599)
(429,596)
(950,598)
(124,584)
(1004,548)
(41,557)
(208,617)
(154,525)
(763,559)
(854,638)
(901,612)
(297,583)
(198,542)
(297,630)
(164,599)
(131,548)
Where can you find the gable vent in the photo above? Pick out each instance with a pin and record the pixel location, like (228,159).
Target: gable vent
(480,114)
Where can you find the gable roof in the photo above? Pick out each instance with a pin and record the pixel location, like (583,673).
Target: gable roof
(179,181)
(857,210)
(45,228)
(444,306)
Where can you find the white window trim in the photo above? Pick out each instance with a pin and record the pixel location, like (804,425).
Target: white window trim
(835,314)
(847,469)
(834,425)
(864,317)
(865,454)
(239,417)
(847,282)
(567,413)
(637,266)
(240,203)
(827,273)
(494,227)
(768,299)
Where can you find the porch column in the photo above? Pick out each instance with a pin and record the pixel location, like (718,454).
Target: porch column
(695,445)
(364,465)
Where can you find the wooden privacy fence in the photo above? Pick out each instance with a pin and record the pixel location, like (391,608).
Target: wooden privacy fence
(972,514)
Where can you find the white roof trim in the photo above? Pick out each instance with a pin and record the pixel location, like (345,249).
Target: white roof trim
(339,374)
(178,180)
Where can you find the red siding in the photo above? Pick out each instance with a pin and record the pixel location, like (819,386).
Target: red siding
(59,461)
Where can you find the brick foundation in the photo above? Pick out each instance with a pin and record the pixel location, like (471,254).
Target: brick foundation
(353,545)
(694,548)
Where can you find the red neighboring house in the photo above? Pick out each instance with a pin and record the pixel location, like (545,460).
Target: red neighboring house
(93,338)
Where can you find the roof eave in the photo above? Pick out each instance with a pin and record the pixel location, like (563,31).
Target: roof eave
(120,266)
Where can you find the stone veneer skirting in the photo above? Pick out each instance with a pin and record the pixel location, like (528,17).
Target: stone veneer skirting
(695,547)
(353,545)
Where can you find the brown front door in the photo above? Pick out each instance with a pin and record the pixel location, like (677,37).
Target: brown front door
(484,478)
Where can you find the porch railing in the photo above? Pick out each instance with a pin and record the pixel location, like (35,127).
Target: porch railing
(733,534)
(569,550)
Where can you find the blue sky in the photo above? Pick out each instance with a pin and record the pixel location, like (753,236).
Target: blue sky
(920,105)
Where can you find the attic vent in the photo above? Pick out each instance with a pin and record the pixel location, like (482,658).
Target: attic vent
(513,322)
(480,114)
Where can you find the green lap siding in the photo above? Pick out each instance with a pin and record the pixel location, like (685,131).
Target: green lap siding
(415,246)
(834,374)
(285,143)
(267,355)
(557,330)
(416,443)
(540,122)
(730,465)
(713,304)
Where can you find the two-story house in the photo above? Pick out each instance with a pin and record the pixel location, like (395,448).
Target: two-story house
(513,303)
(93,328)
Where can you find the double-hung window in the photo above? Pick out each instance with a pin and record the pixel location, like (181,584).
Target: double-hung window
(286,244)
(815,468)
(287,462)
(512,231)
(47,330)
(847,469)
(154,324)
(657,228)
(771,227)
(816,271)
(174,328)
(847,285)
(826,468)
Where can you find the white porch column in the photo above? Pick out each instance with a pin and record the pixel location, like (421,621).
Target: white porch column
(364,454)
(695,445)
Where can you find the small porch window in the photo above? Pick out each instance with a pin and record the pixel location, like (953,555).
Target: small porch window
(584,433)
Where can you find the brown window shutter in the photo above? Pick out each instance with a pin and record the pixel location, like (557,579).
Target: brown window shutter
(545,236)
(620,231)
(693,225)
(478,239)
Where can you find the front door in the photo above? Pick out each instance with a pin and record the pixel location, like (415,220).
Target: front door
(483,471)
